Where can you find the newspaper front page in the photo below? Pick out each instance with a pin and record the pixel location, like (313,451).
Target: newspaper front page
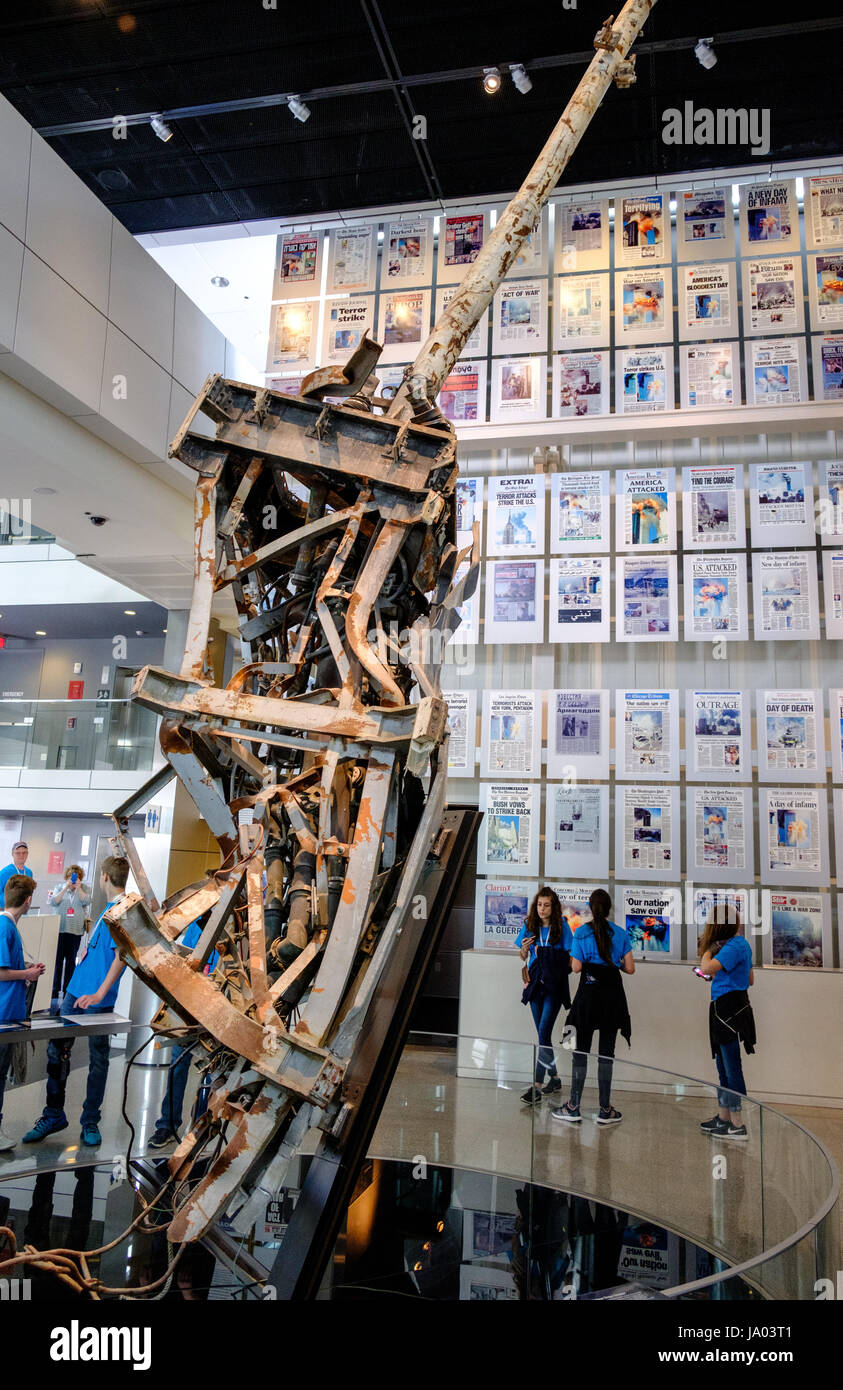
(514,601)
(781,504)
(709,376)
(793,838)
(776,374)
(772,295)
(501,912)
(407,252)
(715,597)
(646,508)
(648,839)
(579,505)
(462,396)
(581,315)
(582,235)
(511,732)
(292,334)
(704,222)
(833,587)
(827,290)
(510,831)
(828,367)
(796,929)
(578,733)
(769,217)
(516,515)
(352,258)
(462,743)
(644,229)
(713,506)
(650,918)
(345,323)
(519,389)
(791,738)
(644,381)
(824,210)
(706,300)
(720,827)
(577,830)
(643,305)
(646,609)
(648,733)
(520,322)
(579,599)
(718,726)
(784,596)
(580,385)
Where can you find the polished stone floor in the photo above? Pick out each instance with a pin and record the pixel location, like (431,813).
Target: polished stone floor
(656,1162)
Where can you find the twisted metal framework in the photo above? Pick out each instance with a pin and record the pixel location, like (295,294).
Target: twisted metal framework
(323,762)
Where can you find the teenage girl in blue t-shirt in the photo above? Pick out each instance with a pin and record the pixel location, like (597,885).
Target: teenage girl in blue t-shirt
(726,955)
(544,943)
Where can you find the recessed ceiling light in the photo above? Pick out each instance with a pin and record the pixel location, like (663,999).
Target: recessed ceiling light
(39,633)
(130,612)
(44,491)
(220,282)
(163,628)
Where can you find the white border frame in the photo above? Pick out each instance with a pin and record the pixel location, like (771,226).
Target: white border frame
(791,533)
(796,878)
(403,352)
(328,358)
(399,224)
(685,350)
(809,634)
(502,885)
(788,246)
(665,484)
(518,289)
(364,286)
(673,709)
(674,896)
(497,774)
(514,634)
(471,733)
(810,239)
(717,543)
(701,330)
(535,481)
(667,405)
(453,274)
(492,869)
(672,634)
(518,412)
(561,865)
(588,546)
(762,331)
(566,250)
(309,289)
(632,256)
(588,766)
(767,929)
(281,366)
(604,398)
(702,250)
(565,342)
(646,333)
(708,774)
(703,557)
(587,632)
(623,870)
(464,367)
(755,347)
(695,871)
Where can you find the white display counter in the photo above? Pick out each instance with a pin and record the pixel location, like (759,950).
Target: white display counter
(798,1059)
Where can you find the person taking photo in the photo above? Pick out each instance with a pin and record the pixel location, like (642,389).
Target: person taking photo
(726,957)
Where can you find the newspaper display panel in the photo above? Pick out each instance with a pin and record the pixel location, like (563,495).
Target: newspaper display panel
(647,832)
(345,322)
(461,238)
(407,258)
(469,512)
(705,224)
(835,721)
(578,734)
(828,367)
(298,265)
(511,731)
(404,323)
(784,596)
(516,515)
(647,735)
(577,831)
(462,723)
(718,826)
(645,508)
(509,834)
(644,380)
(709,375)
(796,929)
(500,912)
(462,396)
(643,305)
(718,736)
(720,903)
(793,835)
(574,901)
(776,372)
(477,344)
(514,601)
(468,632)
(772,296)
(582,235)
(708,305)
(519,317)
(646,608)
(713,507)
(352,258)
(642,231)
(519,389)
(581,311)
(716,598)
(579,598)
(825,291)
(652,920)
(532,257)
(838,833)
(292,335)
(781,504)
(769,218)
(824,211)
(580,385)
(830,503)
(833,592)
(579,512)
(791,735)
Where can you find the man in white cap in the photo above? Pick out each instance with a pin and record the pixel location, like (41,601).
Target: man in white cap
(20,852)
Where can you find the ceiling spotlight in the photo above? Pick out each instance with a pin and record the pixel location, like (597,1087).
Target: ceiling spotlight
(705,53)
(220,282)
(39,632)
(491,80)
(130,612)
(298,108)
(162,130)
(520,78)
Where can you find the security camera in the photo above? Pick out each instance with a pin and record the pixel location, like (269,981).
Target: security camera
(96,520)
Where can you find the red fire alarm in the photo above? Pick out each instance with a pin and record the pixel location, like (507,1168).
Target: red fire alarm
(2,643)
(74,690)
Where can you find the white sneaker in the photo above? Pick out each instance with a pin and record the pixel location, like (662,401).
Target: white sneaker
(6,1143)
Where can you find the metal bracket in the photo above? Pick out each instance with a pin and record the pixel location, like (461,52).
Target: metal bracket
(605,37)
(625,74)
(394,450)
(317,429)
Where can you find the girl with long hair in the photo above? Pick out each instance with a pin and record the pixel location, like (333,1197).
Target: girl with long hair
(600,953)
(545,943)
(726,956)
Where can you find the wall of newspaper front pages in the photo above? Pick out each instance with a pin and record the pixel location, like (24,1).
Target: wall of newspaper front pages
(646,689)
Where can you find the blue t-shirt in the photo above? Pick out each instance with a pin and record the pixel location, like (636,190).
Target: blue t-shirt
(190,938)
(585,945)
(12,992)
(90,972)
(6,874)
(735,957)
(544,939)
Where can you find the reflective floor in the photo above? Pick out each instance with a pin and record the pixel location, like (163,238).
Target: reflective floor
(657,1155)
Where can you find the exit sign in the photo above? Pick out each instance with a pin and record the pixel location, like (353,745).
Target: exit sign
(2,643)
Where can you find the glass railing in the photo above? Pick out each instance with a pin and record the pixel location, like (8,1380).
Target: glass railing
(77,735)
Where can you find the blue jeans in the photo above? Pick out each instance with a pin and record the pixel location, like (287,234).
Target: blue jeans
(5,1063)
(58,1070)
(171,1106)
(545,1010)
(730,1072)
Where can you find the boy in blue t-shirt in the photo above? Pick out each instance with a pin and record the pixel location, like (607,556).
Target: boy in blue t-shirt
(93,986)
(169,1121)
(14,974)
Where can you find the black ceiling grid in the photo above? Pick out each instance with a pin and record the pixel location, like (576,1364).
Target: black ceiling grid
(74,61)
